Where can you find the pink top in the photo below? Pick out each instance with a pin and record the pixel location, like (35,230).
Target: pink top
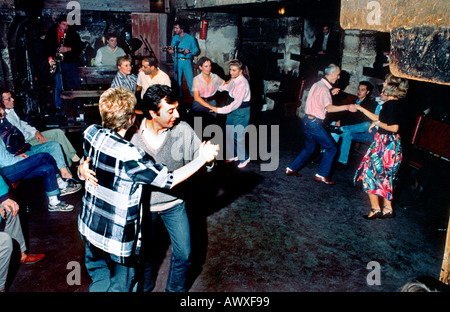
(319,97)
(239,89)
(202,86)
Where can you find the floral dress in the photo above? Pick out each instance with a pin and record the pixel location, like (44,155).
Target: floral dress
(379,167)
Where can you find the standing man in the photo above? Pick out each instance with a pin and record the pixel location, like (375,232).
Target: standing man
(110,218)
(326,48)
(184,46)
(318,104)
(150,74)
(107,55)
(64,47)
(173,145)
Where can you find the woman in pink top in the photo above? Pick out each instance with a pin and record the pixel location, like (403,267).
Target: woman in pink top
(238,113)
(204,88)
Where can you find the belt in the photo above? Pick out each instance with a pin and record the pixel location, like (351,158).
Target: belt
(184,58)
(245,104)
(314,118)
(208,98)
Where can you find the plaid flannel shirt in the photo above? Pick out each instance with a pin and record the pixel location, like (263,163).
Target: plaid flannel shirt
(110,215)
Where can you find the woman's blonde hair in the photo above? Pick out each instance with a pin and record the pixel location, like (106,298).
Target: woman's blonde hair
(122,59)
(240,65)
(116,107)
(395,86)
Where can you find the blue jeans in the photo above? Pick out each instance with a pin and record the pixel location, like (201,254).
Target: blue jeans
(69,78)
(315,133)
(359,133)
(177,224)
(38,165)
(199,109)
(51,147)
(106,274)
(235,129)
(185,67)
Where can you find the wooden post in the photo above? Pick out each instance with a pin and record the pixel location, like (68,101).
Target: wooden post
(445,270)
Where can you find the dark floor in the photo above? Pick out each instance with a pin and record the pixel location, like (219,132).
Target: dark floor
(261,231)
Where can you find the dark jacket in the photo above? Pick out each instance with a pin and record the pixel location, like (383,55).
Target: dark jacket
(72,40)
(349,118)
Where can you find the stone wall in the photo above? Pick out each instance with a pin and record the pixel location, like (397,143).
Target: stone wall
(359,51)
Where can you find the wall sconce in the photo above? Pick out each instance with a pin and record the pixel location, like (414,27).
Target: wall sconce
(281,11)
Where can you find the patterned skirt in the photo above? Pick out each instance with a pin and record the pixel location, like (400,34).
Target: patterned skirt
(379,167)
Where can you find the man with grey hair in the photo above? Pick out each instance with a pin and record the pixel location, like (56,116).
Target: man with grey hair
(318,104)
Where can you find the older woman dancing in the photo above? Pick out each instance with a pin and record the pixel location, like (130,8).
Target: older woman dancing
(379,167)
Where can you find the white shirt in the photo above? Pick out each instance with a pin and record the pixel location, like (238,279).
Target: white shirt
(146,81)
(29,132)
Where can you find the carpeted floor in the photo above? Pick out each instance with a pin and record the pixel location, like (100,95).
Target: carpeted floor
(262,231)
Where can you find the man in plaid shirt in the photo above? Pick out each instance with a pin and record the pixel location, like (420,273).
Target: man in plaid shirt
(109,220)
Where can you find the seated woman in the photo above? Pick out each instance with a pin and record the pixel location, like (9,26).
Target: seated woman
(124,78)
(205,86)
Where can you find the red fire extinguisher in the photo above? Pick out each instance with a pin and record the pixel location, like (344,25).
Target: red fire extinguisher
(203,29)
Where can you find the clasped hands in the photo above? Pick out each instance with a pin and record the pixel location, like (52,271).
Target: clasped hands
(207,152)
(352,108)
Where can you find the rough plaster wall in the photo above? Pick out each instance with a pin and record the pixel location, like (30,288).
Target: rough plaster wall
(6,17)
(290,44)
(220,45)
(359,51)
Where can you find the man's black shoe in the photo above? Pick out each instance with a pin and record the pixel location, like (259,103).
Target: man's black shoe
(334,129)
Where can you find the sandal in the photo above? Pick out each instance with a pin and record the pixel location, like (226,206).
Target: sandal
(388,214)
(376,213)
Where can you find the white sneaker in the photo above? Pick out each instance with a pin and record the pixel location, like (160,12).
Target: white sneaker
(243,164)
(71,188)
(61,206)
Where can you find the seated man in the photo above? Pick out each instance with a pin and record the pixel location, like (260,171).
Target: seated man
(14,142)
(18,165)
(355,126)
(150,74)
(32,135)
(10,229)
(107,55)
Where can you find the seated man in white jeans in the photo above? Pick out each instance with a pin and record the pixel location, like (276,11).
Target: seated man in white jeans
(32,135)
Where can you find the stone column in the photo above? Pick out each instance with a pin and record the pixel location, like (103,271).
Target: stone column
(359,52)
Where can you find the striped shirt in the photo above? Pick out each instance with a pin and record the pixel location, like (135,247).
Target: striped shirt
(127,82)
(110,216)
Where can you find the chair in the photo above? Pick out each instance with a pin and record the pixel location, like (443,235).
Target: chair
(289,96)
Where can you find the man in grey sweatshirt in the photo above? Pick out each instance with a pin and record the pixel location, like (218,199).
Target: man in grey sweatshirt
(172,144)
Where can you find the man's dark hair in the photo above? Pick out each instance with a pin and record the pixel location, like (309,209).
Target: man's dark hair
(3,90)
(153,96)
(368,85)
(110,35)
(152,61)
(182,24)
(61,18)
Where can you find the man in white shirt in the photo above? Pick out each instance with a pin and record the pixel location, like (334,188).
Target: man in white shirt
(107,55)
(150,74)
(32,135)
